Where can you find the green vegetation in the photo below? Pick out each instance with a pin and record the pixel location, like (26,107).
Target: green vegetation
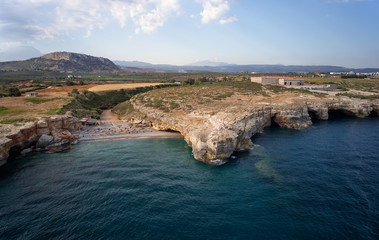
(125,108)
(128,112)
(199,93)
(9,92)
(16,120)
(352,95)
(353,76)
(40,100)
(11,111)
(347,83)
(90,103)
(280,89)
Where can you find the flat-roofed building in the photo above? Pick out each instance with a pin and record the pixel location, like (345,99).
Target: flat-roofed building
(278,80)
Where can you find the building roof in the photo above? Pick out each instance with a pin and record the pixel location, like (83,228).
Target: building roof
(285,78)
(91,120)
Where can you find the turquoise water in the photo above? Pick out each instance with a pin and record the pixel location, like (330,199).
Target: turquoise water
(320,183)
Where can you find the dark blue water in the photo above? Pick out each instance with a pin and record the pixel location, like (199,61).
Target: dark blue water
(320,183)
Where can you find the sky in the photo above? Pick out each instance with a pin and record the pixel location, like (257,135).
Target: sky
(291,32)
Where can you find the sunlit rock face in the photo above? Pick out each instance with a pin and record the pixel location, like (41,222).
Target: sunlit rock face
(52,134)
(216,130)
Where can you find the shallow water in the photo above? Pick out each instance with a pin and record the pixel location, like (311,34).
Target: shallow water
(319,183)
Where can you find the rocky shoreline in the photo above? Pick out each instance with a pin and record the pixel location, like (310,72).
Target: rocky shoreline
(50,134)
(59,133)
(215,136)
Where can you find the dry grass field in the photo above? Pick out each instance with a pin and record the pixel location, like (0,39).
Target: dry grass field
(50,101)
(61,91)
(110,87)
(18,109)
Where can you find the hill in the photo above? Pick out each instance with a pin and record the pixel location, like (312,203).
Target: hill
(62,61)
(208,66)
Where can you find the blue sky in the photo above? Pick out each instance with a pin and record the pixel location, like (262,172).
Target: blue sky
(303,32)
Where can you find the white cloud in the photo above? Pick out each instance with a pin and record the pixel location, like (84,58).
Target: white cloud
(215,10)
(228,20)
(40,19)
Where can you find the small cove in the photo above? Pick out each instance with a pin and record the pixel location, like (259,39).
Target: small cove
(318,183)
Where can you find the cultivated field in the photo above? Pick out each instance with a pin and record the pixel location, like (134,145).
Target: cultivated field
(50,101)
(61,91)
(18,109)
(110,87)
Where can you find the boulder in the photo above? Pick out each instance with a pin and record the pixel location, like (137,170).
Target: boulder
(59,147)
(44,141)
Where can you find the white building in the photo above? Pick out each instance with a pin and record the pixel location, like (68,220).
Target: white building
(278,80)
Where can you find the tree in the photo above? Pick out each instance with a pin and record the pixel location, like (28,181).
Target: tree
(74,92)
(190,81)
(70,83)
(13,91)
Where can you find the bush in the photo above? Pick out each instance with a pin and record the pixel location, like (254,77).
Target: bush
(189,81)
(90,103)
(14,92)
(70,83)
(351,95)
(73,93)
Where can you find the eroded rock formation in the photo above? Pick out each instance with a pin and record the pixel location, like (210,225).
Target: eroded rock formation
(52,134)
(215,135)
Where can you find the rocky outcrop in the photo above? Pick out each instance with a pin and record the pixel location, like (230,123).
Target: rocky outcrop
(215,136)
(52,134)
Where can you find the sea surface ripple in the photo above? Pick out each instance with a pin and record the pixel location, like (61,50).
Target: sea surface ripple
(318,183)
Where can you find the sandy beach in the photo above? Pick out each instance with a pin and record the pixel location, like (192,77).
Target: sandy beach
(86,137)
(111,129)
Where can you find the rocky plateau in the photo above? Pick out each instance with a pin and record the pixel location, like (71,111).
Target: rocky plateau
(219,128)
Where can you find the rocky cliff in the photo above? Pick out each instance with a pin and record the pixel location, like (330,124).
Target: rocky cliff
(217,128)
(51,134)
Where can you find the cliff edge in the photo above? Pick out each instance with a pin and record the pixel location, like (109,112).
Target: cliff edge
(217,120)
(51,134)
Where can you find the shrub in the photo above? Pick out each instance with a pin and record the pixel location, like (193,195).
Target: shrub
(189,81)
(14,92)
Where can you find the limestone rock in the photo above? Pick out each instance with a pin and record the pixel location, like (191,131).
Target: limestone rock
(215,136)
(26,151)
(44,132)
(59,147)
(44,141)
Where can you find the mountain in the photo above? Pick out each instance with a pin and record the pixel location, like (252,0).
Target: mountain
(75,62)
(62,61)
(19,53)
(209,64)
(135,64)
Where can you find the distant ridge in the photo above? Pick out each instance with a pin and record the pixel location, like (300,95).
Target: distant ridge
(259,68)
(210,64)
(76,62)
(19,53)
(62,61)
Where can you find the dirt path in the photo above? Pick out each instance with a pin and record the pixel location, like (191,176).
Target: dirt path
(109,87)
(108,117)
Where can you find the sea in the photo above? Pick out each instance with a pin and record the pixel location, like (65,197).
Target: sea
(317,183)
